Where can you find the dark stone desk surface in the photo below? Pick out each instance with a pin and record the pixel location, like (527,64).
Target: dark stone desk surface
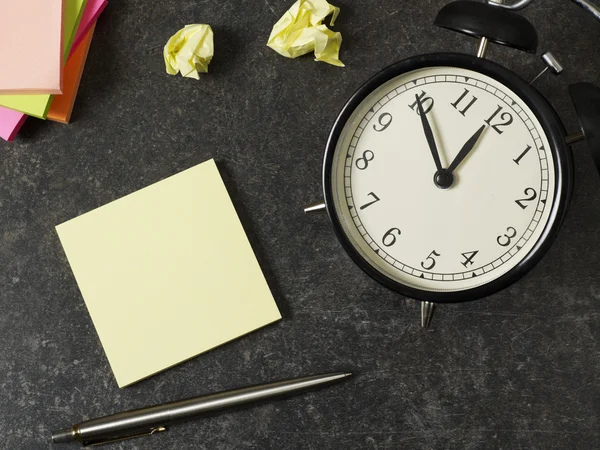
(518,370)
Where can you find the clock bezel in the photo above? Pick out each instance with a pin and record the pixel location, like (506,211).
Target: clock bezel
(552,126)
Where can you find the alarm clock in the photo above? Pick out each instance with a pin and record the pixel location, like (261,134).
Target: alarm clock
(447,176)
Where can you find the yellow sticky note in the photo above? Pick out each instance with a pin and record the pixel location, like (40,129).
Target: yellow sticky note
(301,31)
(190,51)
(167,273)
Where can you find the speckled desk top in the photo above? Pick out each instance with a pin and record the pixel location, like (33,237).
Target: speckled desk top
(517,370)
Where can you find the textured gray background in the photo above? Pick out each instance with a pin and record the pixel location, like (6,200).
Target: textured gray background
(517,370)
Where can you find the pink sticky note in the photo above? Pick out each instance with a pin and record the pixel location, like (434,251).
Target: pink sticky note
(10,120)
(92,10)
(10,123)
(31,46)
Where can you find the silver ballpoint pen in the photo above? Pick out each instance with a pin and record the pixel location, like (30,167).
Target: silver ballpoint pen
(154,419)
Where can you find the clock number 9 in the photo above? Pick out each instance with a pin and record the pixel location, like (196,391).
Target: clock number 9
(385,120)
(506,240)
(363,163)
(390,238)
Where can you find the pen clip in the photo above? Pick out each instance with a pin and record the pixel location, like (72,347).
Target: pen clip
(87,444)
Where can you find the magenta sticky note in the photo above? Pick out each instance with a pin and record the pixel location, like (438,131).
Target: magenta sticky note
(10,123)
(31,33)
(92,10)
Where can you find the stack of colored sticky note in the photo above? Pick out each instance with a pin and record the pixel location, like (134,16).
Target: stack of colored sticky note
(44,46)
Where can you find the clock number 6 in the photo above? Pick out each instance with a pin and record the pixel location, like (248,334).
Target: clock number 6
(385,120)
(532,195)
(431,258)
(390,238)
(506,240)
(363,163)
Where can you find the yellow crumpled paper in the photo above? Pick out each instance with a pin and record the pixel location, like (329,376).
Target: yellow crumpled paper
(190,51)
(301,31)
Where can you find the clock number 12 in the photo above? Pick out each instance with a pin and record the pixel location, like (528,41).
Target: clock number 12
(505,116)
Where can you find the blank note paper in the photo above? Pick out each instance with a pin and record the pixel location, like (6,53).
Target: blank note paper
(167,273)
(31,46)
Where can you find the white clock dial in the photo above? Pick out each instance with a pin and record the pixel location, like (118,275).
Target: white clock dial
(416,232)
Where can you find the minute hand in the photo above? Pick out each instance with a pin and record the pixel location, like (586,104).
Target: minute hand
(470,144)
(429,135)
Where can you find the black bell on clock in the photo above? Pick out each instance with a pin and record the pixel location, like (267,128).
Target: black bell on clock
(447,176)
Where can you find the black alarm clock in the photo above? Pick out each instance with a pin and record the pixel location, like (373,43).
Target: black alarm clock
(447,176)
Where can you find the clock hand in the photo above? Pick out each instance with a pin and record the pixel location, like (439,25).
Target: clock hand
(429,135)
(470,144)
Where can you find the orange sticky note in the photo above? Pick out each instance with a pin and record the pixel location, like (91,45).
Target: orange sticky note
(62,105)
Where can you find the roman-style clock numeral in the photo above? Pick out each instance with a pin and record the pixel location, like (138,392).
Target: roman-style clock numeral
(504,120)
(522,155)
(384,121)
(468,105)
(506,239)
(469,257)
(371,203)
(531,196)
(391,237)
(367,157)
(431,262)
(426,102)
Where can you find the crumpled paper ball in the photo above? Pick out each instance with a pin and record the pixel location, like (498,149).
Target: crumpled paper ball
(301,31)
(190,51)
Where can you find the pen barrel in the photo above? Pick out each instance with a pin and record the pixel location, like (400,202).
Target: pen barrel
(134,422)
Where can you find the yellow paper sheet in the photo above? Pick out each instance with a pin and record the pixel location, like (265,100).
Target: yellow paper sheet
(301,31)
(190,51)
(167,273)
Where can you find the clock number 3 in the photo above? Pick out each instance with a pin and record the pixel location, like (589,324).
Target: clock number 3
(390,237)
(367,157)
(385,120)
(431,262)
(505,116)
(506,239)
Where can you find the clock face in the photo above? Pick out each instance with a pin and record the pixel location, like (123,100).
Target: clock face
(452,229)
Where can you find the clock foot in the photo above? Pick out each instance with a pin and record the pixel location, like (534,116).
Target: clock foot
(427,310)
(315,207)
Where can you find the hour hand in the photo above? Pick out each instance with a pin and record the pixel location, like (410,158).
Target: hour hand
(464,152)
(429,135)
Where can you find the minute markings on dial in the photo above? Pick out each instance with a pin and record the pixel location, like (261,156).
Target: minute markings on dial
(495,120)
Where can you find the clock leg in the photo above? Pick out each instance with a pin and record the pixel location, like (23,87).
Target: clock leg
(427,310)
(315,207)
